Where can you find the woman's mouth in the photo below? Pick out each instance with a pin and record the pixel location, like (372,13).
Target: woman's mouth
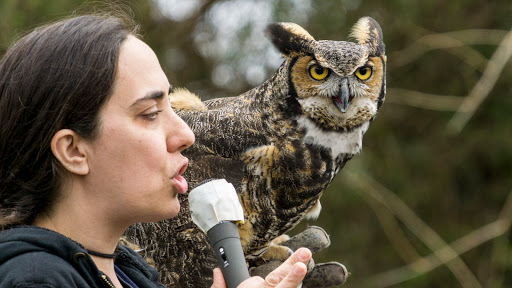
(180,181)
(181,184)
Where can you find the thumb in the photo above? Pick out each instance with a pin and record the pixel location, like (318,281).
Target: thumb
(218,279)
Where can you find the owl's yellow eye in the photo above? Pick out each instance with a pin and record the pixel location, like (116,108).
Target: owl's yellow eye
(364,72)
(318,72)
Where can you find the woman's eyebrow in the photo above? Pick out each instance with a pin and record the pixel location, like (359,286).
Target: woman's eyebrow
(153,95)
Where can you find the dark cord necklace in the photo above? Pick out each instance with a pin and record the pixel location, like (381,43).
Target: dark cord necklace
(103,255)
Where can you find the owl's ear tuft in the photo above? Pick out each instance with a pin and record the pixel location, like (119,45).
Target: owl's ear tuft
(367,32)
(290,39)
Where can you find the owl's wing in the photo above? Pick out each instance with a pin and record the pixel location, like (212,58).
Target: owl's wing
(224,131)
(227,129)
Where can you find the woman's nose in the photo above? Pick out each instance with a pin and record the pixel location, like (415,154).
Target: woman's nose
(180,136)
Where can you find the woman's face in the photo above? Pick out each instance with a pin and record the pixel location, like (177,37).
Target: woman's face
(136,159)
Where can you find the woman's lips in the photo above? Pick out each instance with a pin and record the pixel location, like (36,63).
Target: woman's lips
(180,181)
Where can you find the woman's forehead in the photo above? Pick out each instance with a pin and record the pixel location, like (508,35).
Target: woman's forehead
(134,52)
(139,70)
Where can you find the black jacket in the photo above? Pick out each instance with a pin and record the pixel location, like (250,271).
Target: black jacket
(37,257)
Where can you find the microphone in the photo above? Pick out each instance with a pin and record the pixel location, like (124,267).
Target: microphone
(215,208)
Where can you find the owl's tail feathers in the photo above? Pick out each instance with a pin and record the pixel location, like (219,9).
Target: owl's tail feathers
(183,99)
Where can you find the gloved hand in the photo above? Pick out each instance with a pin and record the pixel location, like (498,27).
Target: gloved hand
(319,275)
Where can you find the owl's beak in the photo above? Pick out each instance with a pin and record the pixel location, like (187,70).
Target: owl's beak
(342,101)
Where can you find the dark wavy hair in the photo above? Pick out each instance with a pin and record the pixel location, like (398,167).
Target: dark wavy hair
(58,76)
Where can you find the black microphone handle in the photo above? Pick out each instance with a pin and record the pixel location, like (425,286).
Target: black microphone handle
(225,241)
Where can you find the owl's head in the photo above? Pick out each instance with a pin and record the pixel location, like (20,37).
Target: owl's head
(339,85)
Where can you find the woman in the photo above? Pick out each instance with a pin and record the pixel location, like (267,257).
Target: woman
(89,145)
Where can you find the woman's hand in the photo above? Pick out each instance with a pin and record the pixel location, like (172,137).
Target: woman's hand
(288,275)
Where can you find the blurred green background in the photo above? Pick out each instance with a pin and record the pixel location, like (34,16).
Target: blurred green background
(427,203)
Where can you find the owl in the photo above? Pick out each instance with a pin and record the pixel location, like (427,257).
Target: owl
(280,144)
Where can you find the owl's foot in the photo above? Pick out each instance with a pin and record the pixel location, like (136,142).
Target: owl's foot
(314,238)
(326,275)
(319,275)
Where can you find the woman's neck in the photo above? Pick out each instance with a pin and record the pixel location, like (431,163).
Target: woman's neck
(106,266)
(84,216)
(88,223)
(90,232)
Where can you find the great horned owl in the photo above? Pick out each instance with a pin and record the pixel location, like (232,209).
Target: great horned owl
(280,144)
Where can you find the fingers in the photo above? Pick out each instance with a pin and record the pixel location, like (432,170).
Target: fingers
(218,279)
(288,268)
(265,269)
(295,277)
(288,275)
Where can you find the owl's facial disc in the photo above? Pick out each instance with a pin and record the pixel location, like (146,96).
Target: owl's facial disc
(343,99)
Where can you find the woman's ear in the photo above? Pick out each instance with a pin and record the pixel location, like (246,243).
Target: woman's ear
(67,146)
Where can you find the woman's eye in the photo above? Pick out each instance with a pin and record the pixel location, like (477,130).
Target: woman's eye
(151,116)
(318,72)
(364,72)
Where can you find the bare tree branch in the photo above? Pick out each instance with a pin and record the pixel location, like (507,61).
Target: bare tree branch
(469,241)
(393,231)
(456,39)
(483,87)
(423,100)
(442,251)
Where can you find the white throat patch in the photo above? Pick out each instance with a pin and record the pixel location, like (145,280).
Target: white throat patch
(338,142)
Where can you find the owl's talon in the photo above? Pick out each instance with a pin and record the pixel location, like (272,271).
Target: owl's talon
(265,269)
(326,275)
(314,238)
